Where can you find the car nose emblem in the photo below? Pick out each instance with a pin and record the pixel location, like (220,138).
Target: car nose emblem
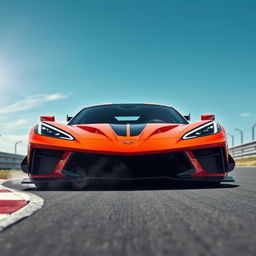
(128,142)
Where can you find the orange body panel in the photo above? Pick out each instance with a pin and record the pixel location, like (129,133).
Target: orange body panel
(146,142)
(155,138)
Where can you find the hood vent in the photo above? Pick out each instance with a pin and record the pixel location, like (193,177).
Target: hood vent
(92,130)
(163,129)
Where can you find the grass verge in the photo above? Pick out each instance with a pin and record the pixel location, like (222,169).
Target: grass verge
(250,161)
(7,174)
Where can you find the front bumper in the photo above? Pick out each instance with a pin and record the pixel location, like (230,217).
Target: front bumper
(209,164)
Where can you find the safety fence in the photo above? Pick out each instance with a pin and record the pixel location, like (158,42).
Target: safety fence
(244,150)
(10,161)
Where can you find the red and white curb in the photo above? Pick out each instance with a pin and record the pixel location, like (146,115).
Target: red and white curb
(16,205)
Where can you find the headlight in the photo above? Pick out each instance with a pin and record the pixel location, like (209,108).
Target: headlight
(204,130)
(51,131)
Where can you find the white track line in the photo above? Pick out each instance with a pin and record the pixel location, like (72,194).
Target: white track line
(3,216)
(35,203)
(10,196)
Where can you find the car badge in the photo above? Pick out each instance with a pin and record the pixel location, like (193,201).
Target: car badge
(128,142)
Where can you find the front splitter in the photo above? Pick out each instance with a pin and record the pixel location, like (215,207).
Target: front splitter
(69,179)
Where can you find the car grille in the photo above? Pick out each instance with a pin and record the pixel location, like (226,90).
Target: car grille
(139,166)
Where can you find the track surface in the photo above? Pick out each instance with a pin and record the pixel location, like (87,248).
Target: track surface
(136,220)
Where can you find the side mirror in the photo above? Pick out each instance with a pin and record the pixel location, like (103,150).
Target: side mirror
(208,117)
(47,118)
(188,117)
(68,118)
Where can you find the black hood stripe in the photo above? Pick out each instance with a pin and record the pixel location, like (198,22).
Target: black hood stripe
(136,129)
(121,129)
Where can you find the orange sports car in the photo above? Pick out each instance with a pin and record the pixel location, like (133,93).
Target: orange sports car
(127,141)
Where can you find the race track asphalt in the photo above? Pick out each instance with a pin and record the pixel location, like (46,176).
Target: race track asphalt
(134,219)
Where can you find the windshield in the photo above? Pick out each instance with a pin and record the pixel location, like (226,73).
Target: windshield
(128,113)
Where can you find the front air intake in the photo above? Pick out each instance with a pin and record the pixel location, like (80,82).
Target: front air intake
(211,159)
(43,161)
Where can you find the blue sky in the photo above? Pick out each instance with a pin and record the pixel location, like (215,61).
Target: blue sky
(59,56)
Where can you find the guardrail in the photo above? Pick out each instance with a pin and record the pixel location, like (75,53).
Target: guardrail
(10,161)
(244,150)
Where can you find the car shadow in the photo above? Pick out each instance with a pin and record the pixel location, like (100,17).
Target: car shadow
(141,186)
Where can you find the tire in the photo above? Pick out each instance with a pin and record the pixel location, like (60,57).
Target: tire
(42,185)
(216,183)
(80,184)
(211,183)
(50,185)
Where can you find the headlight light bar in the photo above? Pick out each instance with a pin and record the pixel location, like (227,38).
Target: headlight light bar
(51,131)
(203,130)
